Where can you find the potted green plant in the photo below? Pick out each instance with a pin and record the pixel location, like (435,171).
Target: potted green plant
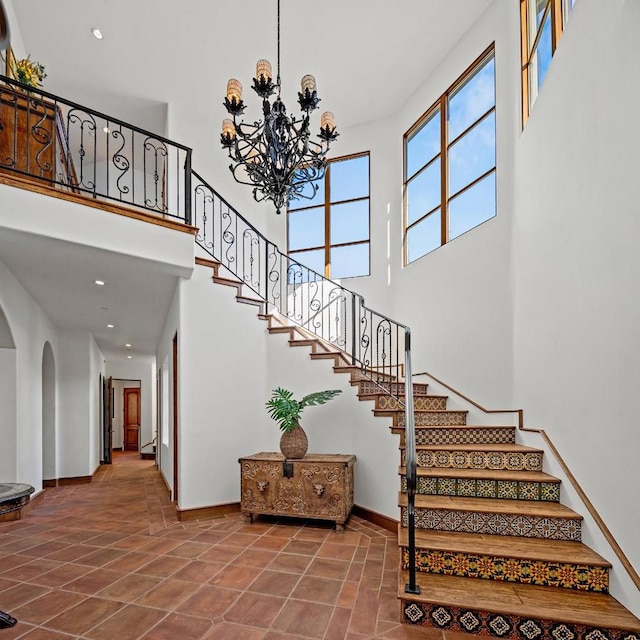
(286,411)
(29,73)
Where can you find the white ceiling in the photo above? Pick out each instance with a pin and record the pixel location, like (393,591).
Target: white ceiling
(368,56)
(60,277)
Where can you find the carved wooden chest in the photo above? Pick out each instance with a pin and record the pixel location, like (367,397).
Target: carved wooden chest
(317,486)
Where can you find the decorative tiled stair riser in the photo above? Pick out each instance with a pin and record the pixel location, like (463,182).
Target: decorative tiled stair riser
(471,435)
(475,488)
(368,388)
(436,419)
(497,625)
(503,524)
(420,403)
(509,460)
(524,571)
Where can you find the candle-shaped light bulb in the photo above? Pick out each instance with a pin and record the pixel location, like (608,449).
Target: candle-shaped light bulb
(234,90)
(228,128)
(327,120)
(308,82)
(264,73)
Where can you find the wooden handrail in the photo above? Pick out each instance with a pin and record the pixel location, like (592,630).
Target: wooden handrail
(626,563)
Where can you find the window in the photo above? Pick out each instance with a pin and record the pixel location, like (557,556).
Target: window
(450,163)
(330,233)
(542,23)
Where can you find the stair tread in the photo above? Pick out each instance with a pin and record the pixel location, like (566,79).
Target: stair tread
(227,281)
(506,447)
(561,551)
(489,474)
(524,600)
(492,505)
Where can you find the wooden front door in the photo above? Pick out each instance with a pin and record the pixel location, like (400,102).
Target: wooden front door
(131,419)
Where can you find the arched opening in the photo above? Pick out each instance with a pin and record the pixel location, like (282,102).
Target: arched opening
(49,457)
(8,402)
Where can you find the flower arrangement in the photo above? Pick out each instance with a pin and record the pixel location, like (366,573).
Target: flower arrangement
(28,72)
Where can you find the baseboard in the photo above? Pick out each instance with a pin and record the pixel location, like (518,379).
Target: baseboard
(214,511)
(375,518)
(63,482)
(147,456)
(48,484)
(117,449)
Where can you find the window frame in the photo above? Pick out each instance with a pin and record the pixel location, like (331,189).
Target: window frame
(441,105)
(559,11)
(326,205)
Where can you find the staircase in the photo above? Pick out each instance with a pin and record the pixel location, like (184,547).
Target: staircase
(497,553)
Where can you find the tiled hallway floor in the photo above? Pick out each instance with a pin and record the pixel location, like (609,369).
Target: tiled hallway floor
(109,560)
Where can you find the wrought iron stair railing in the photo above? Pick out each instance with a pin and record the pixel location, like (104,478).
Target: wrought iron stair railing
(379,346)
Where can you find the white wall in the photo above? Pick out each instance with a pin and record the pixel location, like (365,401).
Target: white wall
(222,390)
(165,354)
(30,329)
(80,365)
(577,311)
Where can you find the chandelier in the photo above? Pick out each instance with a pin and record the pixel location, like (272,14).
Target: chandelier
(276,155)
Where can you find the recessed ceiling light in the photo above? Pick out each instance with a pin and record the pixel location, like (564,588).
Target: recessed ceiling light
(128,345)
(97,33)
(100,283)
(110,326)
(129,357)
(106,129)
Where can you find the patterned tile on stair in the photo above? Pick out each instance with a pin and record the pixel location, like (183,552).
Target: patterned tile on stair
(523,611)
(461,434)
(548,520)
(427,418)
(506,456)
(569,565)
(486,483)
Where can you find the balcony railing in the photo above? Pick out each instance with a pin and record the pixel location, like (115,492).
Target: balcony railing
(80,150)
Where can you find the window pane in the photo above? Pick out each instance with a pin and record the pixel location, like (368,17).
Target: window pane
(306,228)
(349,179)
(472,207)
(472,99)
(540,60)
(350,222)
(349,262)
(473,155)
(424,237)
(423,145)
(308,199)
(538,7)
(312,259)
(424,192)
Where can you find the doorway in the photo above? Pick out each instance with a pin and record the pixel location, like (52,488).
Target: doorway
(49,459)
(131,418)
(126,396)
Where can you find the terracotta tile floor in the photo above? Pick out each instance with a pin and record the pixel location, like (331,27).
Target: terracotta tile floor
(110,560)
